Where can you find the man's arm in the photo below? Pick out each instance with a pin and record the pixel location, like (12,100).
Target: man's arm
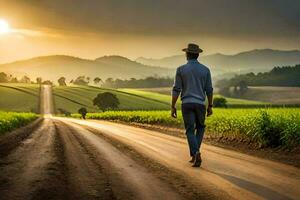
(173,109)
(177,87)
(209,94)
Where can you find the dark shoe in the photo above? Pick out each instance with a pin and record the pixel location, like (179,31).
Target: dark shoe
(192,160)
(198,160)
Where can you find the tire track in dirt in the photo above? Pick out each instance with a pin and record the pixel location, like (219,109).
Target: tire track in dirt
(63,161)
(27,169)
(223,172)
(128,179)
(85,177)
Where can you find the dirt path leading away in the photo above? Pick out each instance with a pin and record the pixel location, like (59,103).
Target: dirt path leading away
(240,176)
(46,102)
(31,167)
(122,171)
(61,161)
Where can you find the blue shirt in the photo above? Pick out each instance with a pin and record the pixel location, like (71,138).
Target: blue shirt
(193,82)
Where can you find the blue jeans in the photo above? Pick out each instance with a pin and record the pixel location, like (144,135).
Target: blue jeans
(194,118)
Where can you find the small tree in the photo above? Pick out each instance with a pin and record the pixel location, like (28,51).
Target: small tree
(83,111)
(81,80)
(106,101)
(47,82)
(97,80)
(39,80)
(25,79)
(62,81)
(3,77)
(65,112)
(220,102)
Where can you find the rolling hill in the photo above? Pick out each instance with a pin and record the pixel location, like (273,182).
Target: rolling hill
(258,60)
(53,67)
(71,98)
(19,97)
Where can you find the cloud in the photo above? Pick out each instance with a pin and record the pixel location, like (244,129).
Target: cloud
(152,28)
(180,17)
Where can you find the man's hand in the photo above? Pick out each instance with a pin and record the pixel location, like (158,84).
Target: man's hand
(174,112)
(209,111)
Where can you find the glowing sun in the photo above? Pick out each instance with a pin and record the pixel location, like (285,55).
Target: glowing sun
(4,26)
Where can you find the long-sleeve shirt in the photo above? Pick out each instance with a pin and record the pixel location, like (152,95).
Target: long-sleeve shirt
(193,82)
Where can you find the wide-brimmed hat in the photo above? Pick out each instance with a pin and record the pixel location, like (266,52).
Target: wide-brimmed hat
(192,48)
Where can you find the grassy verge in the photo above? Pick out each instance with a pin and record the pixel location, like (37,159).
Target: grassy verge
(265,127)
(11,120)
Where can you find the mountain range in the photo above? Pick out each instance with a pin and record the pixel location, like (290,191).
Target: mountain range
(53,67)
(257,60)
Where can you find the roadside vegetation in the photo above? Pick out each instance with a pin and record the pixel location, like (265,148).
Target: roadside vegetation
(12,120)
(272,127)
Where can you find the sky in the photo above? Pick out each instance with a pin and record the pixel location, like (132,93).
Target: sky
(149,28)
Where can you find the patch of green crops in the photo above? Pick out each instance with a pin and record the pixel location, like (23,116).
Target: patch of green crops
(268,127)
(11,120)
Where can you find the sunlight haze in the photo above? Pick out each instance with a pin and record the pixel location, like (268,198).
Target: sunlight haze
(162,29)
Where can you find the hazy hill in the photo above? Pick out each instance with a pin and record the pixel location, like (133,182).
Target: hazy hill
(52,67)
(258,60)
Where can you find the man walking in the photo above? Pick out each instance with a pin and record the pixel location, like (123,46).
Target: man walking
(193,82)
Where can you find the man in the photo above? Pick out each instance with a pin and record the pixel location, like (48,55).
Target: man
(193,82)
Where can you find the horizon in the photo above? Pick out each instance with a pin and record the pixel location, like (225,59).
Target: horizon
(134,59)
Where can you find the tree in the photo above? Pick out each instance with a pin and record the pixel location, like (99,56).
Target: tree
(14,80)
(47,82)
(83,111)
(220,102)
(39,80)
(106,101)
(62,81)
(65,112)
(80,80)
(3,77)
(243,87)
(97,80)
(25,79)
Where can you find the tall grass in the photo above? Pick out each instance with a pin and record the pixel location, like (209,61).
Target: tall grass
(267,127)
(11,120)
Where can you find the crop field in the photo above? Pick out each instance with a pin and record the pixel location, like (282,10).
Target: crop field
(71,98)
(19,97)
(11,120)
(266,127)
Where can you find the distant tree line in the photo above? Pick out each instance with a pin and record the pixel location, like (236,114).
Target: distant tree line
(287,76)
(148,82)
(7,78)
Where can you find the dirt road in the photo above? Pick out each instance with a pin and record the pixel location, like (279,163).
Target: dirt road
(46,100)
(75,159)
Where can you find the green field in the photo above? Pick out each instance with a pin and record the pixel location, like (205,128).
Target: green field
(19,97)
(71,98)
(11,120)
(157,95)
(75,97)
(266,127)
